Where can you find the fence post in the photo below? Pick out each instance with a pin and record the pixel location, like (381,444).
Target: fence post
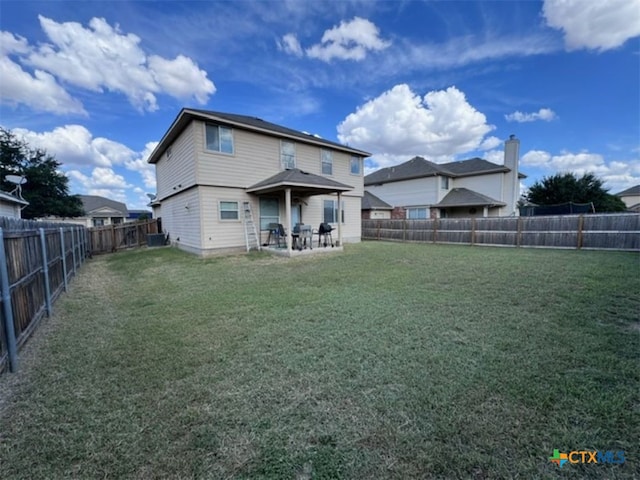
(435,230)
(580,228)
(73,249)
(473,231)
(113,238)
(7,309)
(64,258)
(378,229)
(404,230)
(45,271)
(519,232)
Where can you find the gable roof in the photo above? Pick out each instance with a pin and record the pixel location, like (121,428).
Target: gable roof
(302,182)
(371,202)
(245,122)
(463,197)
(92,203)
(633,191)
(419,167)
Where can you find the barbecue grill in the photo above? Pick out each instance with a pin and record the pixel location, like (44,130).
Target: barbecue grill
(324,233)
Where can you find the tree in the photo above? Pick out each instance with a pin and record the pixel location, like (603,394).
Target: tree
(567,187)
(47,189)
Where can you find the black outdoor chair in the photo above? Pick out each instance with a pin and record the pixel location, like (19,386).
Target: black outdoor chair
(324,235)
(276,235)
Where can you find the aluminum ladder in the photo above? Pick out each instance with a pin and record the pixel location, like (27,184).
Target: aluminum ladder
(251,237)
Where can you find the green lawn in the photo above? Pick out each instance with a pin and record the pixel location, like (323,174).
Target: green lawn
(387,361)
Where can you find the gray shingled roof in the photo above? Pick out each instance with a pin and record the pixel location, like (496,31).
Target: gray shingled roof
(463,197)
(303,182)
(371,202)
(635,190)
(419,167)
(247,122)
(91,203)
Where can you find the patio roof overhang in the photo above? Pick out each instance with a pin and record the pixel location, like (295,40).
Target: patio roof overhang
(300,183)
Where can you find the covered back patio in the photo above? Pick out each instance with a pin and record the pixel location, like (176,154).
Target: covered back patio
(295,187)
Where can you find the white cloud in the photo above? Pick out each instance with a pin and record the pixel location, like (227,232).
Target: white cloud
(75,145)
(489,143)
(291,45)
(494,156)
(348,41)
(594,25)
(617,175)
(96,58)
(545,114)
(400,123)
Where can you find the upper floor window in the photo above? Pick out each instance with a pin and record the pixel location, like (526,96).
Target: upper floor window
(327,162)
(287,154)
(356,165)
(444,183)
(219,139)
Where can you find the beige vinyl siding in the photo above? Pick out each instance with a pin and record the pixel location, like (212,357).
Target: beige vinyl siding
(419,191)
(181,219)
(630,200)
(489,185)
(312,214)
(178,172)
(255,158)
(224,234)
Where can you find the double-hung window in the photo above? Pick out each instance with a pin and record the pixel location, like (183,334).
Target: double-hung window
(327,162)
(356,165)
(287,154)
(331,211)
(229,211)
(219,138)
(444,183)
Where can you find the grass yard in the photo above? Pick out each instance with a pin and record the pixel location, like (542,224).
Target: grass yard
(389,361)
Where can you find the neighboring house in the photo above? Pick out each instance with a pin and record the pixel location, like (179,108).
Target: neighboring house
(11,206)
(469,188)
(373,207)
(135,215)
(98,211)
(631,198)
(209,163)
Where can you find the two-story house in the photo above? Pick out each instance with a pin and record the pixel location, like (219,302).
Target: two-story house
(208,164)
(419,188)
(631,198)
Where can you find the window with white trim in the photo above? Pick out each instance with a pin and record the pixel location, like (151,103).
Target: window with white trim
(229,211)
(331,211)
(356,165)
(444,183)
(287,154)
(419,213)
(219,138)
(327,162)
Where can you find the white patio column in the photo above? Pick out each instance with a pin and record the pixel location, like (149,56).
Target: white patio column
(340,218)
(287,214)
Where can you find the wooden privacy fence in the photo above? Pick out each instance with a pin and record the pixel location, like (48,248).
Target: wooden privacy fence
(35,267)
(112,238)
(589,231)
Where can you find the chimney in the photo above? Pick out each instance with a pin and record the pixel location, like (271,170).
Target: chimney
(512,153)
(511,187)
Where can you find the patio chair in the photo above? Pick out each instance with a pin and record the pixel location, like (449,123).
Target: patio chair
(276,235)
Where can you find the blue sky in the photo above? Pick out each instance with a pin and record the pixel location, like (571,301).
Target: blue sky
(98,83)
